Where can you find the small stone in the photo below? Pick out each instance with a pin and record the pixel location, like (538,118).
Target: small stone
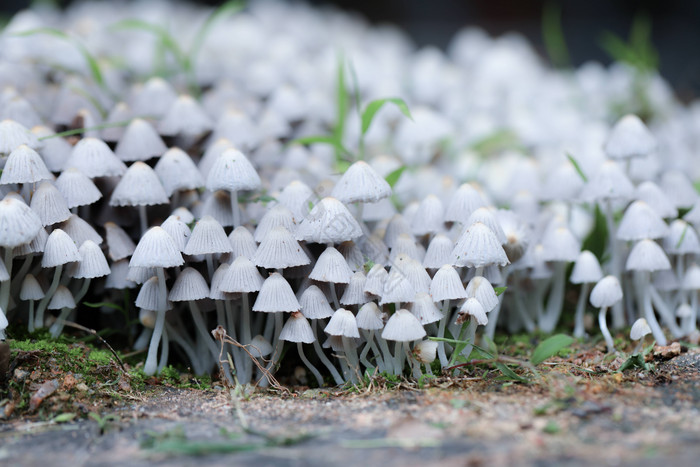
(667,352)
(20,375)
(82,387)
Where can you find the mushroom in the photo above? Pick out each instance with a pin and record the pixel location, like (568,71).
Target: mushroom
(605,294)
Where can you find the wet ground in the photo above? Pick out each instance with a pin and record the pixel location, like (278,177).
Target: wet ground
(563,418)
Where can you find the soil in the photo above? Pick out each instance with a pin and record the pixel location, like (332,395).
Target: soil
(578,411)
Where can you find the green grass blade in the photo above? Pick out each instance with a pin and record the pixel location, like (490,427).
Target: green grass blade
(373,107)
(227,9)
(93,65)
(553,36)
(576,165)
(499,290)
(550,347)
(167,40)
(394,176)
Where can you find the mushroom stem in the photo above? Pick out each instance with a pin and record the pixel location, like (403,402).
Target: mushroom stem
(30,325)
(57,326)
(555,301)
(353,363)
(371,344)
(388,357)
(442,355)
(83,290)
(235,210)
(151,366)
(317,374)
(398,358)
(206,338)
(143,219)
(5,286)
(334,296)
(186,346)
(644,297)
(39,319)
(665,312)
(579,329)
(617,309)
(322,356)
(604,329)
(490,330)
(164,349)
(245,333)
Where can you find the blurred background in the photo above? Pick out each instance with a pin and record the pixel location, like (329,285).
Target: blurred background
(578,31)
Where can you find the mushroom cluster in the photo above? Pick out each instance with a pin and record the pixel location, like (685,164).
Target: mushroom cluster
(186,156)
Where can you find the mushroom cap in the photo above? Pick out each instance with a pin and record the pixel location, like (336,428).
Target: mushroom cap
(242,242)
(232,171)
(189,285)
(297,329)
(609,182)
(403,326)
(49,204)
(473,307)
(177,229)
(354,293)
(242,277)
(586,269)
(361,183)
(606,292)
(259,347)
(481,289)
(682,239)
(439,252)
(314,304)
(24,165)
(156,249)
(149,296)
(425,351)
(185,117)
(647,255)
(331,267)
(328,222)
(447,285)
(397,289)
(478,246)
(279,249)
(95,159)
(488,217)
(369,317)
(560,245)
(92,262)
(119,243)
(641,221)
(60,249)
(376,277)
(463,202)
(208,237)
(80,231)
(140,186)
(18,223)
(425,310)
(117,279)
(62,298)
(177,171)
(276,296)
(77,188)
(630,138)
(342,323)
(31,289)
(277,215)
(139,142)
(13,135)
(640,328)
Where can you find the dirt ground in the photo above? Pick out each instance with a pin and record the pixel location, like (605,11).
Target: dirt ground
(565,417)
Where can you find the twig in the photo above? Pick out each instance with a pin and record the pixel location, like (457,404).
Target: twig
(222,336)
(94,333)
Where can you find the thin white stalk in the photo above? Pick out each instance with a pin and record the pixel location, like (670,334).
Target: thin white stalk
(143,219)
(644,296)
(186,346)
(317,374)
(579,328)
(5,286)
(618,312)
(164,349)
(555,301)
(665,311)
(351,355)
(39,319)
(387,355)
(235,210)
(442,354)
(602,323)
(57,327)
